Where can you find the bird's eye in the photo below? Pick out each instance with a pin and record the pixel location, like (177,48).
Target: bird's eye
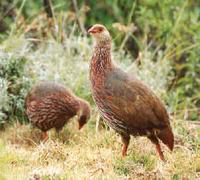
(100,29)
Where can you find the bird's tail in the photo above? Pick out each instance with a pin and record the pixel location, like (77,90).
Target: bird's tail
(167,137)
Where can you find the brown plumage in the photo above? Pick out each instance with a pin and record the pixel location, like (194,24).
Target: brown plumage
(50,105)
(126,104)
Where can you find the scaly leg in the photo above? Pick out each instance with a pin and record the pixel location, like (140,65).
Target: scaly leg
(58,132)
(125,141)
(44,136)
(155,141)
(160,152)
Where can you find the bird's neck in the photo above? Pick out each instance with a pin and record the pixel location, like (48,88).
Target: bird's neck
(101,59)
(84,107)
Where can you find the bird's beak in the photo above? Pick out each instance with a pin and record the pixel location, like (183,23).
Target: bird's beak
(92,30)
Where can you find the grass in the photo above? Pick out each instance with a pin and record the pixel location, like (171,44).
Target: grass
(91,154)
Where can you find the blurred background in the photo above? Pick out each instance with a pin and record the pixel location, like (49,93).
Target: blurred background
(158,41)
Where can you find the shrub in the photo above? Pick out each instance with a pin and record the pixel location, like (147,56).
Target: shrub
(66,63)
(14,84)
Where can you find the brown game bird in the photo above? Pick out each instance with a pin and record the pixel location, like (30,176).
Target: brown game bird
(50,105)
(125,103)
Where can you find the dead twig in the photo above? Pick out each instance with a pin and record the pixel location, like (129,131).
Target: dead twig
(80,24)
(193,122)
(48,8)
(94,172)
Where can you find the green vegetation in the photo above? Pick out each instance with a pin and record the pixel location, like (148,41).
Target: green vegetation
(34,47)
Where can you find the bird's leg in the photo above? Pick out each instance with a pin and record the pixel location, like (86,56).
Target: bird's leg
(58,133)
(125,141)
(155,141)
(160,153)
(44,136)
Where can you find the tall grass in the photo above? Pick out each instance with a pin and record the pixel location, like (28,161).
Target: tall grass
(171,26)
(66,63)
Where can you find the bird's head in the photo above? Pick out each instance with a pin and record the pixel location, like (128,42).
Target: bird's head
(84,114)
(100,33)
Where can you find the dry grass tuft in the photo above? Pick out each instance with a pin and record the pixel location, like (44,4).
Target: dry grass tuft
(88,154)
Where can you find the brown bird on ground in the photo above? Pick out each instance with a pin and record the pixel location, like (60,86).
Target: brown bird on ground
(50,105)
(126,104)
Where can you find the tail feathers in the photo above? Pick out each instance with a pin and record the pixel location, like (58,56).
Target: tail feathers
(167,137)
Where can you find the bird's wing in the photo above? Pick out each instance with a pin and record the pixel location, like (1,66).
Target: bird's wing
(133,102)
(46,88)
(61,103)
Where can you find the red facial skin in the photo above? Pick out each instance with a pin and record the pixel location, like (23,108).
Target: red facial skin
(94,30)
